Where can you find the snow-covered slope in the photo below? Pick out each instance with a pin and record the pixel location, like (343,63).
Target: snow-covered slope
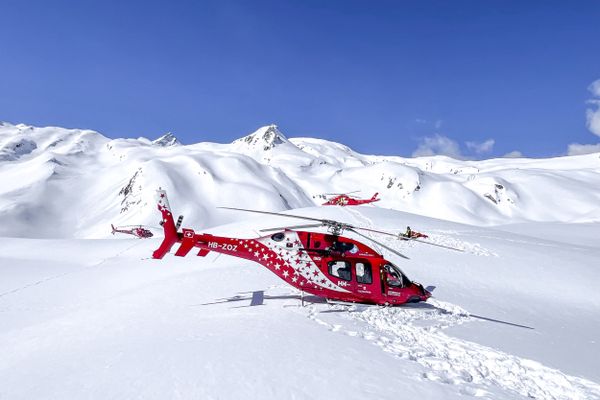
(99,319)
(58,182)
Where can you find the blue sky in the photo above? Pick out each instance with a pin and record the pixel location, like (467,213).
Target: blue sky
(476,78)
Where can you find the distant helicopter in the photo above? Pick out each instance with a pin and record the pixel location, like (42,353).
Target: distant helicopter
(344,199)
(135,230)
(327,265)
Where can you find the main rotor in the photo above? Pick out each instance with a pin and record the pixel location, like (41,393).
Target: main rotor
(337,228)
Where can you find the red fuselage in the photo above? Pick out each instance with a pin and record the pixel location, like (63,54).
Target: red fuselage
(138,232)
(345,200)
(329,266)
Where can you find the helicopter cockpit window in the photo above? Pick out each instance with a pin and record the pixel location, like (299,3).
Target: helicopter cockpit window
(278,237)
(363,273)
(343,247)
(394,276)
(340,269)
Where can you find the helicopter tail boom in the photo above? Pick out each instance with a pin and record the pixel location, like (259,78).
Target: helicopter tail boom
(168,224)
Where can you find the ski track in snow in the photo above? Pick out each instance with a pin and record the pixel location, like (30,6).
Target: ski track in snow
(416,334)
(58,276)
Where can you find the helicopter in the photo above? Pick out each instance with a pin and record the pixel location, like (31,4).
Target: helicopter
(326,265)
(136,230)
(344,199)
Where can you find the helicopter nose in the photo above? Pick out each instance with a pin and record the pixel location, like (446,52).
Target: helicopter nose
(425,293)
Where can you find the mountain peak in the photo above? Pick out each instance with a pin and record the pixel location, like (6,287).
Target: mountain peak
(166,140)
(266,137)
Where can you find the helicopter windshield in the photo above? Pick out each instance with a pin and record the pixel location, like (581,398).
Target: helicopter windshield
(394,276)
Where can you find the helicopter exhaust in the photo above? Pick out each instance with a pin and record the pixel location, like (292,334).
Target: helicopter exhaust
(179,221)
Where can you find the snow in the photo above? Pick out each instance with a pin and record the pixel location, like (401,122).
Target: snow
(168,139)
(90,173)
(83,314)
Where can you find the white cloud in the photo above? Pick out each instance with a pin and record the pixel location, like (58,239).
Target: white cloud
(593,114)
(513,154)
(593,119)
(438,145)
(437,124)
(595,88)
(576,149)
(443,145)
(480,148)
(593,123)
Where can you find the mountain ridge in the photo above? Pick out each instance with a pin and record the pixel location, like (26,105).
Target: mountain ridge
(42,169)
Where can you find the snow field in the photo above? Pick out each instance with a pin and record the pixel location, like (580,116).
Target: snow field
(97,318)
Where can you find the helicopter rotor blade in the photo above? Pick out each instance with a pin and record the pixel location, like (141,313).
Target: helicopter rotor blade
(380,244)
(401,236)
(396,235)
(342,226)
(339,194)
(438,245)
(274,213)
(291,227)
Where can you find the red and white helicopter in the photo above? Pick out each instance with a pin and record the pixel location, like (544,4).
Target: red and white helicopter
(326,265)
(344,199)
(135,230)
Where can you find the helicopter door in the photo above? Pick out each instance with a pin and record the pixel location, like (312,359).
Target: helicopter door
(340,272)
(393,280)
(364,277)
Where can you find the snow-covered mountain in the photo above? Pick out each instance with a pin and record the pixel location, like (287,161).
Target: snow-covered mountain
(57,182)
(168,139)
(100,319)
